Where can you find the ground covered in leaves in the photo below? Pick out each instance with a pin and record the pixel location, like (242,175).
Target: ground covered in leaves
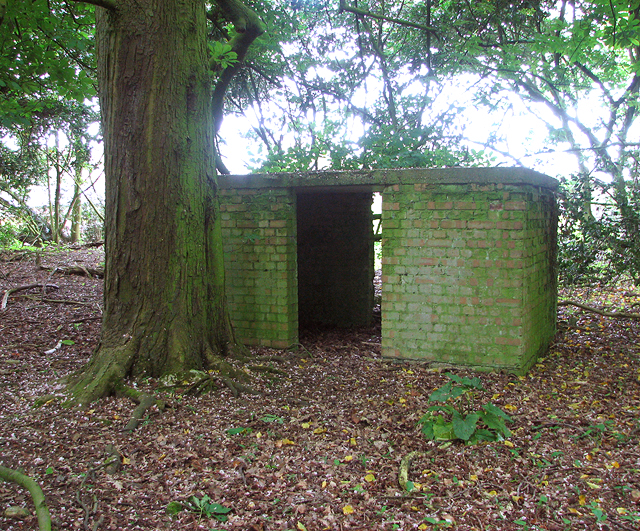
(322,446)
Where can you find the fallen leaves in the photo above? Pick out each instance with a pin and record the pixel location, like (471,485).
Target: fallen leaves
(332,460)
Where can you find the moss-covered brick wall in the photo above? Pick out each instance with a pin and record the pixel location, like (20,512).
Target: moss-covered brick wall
(469,271)
(335,258)
(259,235)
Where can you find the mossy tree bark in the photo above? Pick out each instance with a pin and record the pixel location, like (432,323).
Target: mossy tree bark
(165,309)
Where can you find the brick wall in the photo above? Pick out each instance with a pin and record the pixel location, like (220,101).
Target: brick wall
(468,273)
(259,235)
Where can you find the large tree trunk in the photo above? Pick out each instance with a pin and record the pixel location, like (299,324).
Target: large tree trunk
(165,309)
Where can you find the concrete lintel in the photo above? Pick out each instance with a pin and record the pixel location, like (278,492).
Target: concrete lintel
(375,180)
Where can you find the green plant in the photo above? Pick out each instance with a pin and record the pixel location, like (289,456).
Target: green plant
(272,418)
(600,515)
(456,420)
(202,506)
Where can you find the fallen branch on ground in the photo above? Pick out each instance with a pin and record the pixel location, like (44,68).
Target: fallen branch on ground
(5,297)
(61,301)
(604,313)
(403,472)
(42,511)
(76,270)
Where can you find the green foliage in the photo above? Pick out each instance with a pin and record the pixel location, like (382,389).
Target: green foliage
(204,507)
(455,420)
(201,506)
(46,54)
(222,54)
(599,232)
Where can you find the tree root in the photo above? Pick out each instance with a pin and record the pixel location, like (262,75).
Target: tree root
(208,381)
(137,417)
(403,472)
(42,511)
(5,297)
(47,399)
(604,313)
(266,368)
(144,401)
(76,270)
(90,510)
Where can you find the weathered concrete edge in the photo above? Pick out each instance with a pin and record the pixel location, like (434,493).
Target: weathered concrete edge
(382,178)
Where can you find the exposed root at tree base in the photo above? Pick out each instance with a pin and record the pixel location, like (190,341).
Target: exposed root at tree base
(42,511)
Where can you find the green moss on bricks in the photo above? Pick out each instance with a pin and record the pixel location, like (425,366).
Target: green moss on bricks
(468,261)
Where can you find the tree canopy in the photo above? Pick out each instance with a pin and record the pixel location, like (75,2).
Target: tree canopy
(374,84)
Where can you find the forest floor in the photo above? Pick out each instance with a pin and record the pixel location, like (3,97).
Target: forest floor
(321,447)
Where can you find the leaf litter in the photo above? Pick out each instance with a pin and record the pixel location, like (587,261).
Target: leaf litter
(322,446)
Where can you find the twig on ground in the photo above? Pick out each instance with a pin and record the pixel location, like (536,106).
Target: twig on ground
(604,313)
(5,297)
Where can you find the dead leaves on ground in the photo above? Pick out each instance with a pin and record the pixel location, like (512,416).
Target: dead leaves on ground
(322,448)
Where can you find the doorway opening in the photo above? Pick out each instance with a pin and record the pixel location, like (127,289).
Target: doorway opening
(336,258)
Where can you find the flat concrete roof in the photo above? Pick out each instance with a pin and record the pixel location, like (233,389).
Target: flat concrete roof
(376,180)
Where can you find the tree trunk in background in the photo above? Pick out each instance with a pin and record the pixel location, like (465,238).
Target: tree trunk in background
(76,207)
(76,212)
(165,309)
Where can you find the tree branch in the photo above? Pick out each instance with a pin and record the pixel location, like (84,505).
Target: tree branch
(598,311)
(344,7)
(249,27)
(106,4)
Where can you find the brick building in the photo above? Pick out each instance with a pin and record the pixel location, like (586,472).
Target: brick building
(468,260)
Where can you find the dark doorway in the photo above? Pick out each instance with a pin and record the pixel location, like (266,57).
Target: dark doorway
(335,259)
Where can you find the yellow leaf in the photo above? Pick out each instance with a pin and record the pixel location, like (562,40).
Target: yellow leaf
(348,458)
(370,478)
(509,444)
(593,485)
(306,425)
(615,464)
(621,510)
(347,509)
(318,431)
(473,477)
(353,442)
(492,493)
(126,461)
(116,417)
(324,484)
(186,431)
(582,499)
(258,435)
(402,401)
(282,442)
(422,527)
(300,527)
(510,407)
(574,511)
